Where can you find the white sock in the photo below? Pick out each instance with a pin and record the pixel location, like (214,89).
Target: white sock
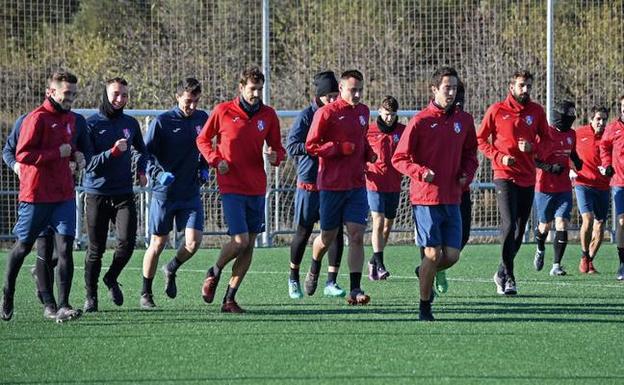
(555,265)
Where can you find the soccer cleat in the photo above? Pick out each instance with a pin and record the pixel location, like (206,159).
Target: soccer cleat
(49,312)
(310,283)
(500,284)
(7,308)
(557,271)
(294,290)
(357,297)
(231,307)
(372,272)
(441,284)
(33,273)
(538,261)
(620,273)
(584,265)
(425,313)
(114,291)
(590,268)
(209,288)
(91,304)
(170,282)
(66,313)
(510,287)
(382,273)
(147,301)
(333,290)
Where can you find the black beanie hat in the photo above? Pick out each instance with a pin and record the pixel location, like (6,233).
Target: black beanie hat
(325,83)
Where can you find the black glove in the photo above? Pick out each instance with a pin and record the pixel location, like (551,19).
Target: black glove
(556,169)
(607,171)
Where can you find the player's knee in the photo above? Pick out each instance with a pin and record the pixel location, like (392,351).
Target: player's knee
(192,245)
(620,220)
(241,242)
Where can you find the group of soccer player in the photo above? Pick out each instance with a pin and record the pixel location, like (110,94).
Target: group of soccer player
(346,169)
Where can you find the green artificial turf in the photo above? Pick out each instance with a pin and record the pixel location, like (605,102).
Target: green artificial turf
(558,330)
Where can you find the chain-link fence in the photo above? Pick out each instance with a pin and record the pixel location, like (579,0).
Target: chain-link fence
(396,44)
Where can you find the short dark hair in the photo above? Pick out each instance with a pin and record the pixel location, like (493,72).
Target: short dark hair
(355,74)
(440,73)
(596,109)
(525,74)
(117,79)
(252,73)
(390,103)
(190,85)
(63,76)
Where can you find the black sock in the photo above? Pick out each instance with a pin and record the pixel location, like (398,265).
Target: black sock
(355,279)
(425,306)
(174,265)
(378,258)
(585,254)
(560,243)
(621,254)
(541,240)
(230,294)
(147,285)
(332,276)
(315,267)
(294,274)
(422,253)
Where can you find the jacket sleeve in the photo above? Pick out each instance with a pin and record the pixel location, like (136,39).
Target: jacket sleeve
(296,140)
(140,150)
(274,140)
(8,152)
(543,133)
(487,130)
(152,146)
(402,160)
(606,148)
(205,137)
(28,150)
(316,143)
(469,161)
(98,160)
(81,139)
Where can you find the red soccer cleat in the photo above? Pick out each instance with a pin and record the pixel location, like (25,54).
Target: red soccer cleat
(584,265)
(209,288)
(357,297)
(232,307)
(591,269)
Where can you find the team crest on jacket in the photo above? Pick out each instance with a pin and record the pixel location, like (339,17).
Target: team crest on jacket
(528,119)
(457,127)
(68,129)
(198,129)
(362,120)
(396,138)
(126,133)
(569,140)
(260,125)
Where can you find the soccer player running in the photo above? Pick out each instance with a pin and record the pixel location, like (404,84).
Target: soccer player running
(592,187)
(176,171)
(108,184)
(307,194)
(47,196)
(438,152)
(553,189)
(508,137)
(611,150)
(338,137)
(383,183)
(240,127)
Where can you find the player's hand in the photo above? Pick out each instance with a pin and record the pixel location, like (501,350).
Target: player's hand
(271,155)
(463,179)
(606,171)
(65,150)
(223,167)
(16,169)
(347,148)
(80,160)
(121,145)
(556,168)
(204,175)
(428,176)
(142,180)
(72,166)
(524,146)
(165,178)
(508,160)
